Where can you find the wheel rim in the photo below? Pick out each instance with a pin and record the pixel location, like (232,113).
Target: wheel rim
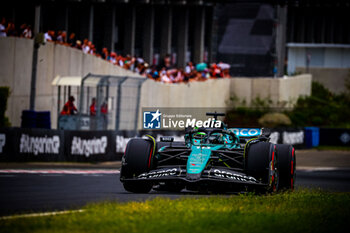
(273,172)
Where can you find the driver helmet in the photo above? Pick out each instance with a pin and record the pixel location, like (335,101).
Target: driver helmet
(215,138)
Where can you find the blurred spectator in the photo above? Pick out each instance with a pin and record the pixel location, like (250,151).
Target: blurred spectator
(104,112)
(226,73)
(104,108)
(166,62)
(164,72)
(61,37)
(92,49)
(164,76)
(78,45)
(129,62)
(120,60)
(180,76)
(105,54)
(47,36)
(142,68)
(223,66)
(11,30)
(85,47)
(22,28)
(71,40)
(153,73)
(189,67)
(53,35)
(200,67)
(3,28)
(113,58)
(215,71)
(69,107)
(27,33)
(93,107)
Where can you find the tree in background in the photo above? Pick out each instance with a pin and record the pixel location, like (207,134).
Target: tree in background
(322,108)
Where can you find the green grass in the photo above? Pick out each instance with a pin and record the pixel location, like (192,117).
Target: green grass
(301,211)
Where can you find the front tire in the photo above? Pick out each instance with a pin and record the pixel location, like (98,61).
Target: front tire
(138,159)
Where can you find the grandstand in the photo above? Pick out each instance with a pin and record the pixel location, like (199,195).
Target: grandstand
(255,38)
(249,35)
(55,59)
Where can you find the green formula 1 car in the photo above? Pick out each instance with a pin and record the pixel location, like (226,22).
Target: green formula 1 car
(209,159)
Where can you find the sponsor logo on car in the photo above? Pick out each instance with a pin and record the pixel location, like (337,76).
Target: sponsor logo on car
(246,132)
(159,173)
(230,175)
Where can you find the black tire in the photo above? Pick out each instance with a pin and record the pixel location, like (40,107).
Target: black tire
(287,164)
(261,163)
(138,159)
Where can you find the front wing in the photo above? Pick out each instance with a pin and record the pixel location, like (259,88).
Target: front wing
(209,176)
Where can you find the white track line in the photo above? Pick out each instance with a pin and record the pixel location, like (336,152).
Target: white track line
(59,171)
(315,169)
(41,214)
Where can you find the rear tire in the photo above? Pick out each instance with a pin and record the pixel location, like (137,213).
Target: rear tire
(261,163)
(287,164)
(138,159)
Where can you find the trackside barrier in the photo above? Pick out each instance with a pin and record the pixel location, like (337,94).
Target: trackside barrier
(18,144)
(335,137)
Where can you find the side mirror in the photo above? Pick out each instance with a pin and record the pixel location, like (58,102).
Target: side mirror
(266,132)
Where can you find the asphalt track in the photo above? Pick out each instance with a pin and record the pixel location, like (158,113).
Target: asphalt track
(51,191)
